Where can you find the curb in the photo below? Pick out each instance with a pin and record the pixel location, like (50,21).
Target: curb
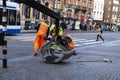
(28,31)
(69,31)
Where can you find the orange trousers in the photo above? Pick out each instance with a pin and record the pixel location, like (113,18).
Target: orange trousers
(39,42)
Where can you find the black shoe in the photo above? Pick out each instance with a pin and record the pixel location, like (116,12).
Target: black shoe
(74,53)
(35,54)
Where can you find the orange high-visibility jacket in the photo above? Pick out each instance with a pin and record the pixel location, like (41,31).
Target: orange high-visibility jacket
(43,28)
(39,40)
(71,43)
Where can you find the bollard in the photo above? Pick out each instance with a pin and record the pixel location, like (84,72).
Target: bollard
(4,31)
(1,39)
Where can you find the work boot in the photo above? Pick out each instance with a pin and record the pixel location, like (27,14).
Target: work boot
(73,52)
(103,40)
(35,54)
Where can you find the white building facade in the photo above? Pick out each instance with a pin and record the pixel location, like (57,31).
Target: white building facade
(115,17)
(98,10)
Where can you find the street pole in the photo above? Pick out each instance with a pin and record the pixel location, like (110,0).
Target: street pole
(4,31)
(111,13)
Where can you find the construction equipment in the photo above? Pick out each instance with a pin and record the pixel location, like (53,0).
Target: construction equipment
(60,52)
(54,51)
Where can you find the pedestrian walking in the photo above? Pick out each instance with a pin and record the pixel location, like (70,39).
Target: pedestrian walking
(40,36)
(99,33)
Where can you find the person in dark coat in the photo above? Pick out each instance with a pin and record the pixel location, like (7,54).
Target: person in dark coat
(99,33)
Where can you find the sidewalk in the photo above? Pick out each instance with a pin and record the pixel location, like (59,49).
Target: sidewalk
(69,31)
(28,31)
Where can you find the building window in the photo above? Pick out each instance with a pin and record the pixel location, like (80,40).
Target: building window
(109,2)
(69,2)
(101,7)
(119,8)
(113,8)
(108,16)
(34,13)
(77,2)
(109,9)
(23,9)
(83,2)
(37,14)
(95,14)
(107,20)
(116,9)
(95,7)
(90,1)
(27,10)
(100,15)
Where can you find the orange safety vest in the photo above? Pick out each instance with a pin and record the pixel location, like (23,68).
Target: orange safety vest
(43,28)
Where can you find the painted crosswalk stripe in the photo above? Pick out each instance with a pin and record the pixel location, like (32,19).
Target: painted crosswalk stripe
(77,41)
(87,43)
(83,42)
(28,40)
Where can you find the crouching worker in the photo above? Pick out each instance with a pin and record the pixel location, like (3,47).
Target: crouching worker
(39,40)
(62,37)
(65,47)
(68,42)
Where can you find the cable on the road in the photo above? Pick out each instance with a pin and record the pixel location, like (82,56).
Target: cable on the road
(104,60)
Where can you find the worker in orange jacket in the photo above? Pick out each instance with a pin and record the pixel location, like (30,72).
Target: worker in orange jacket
(68,39)
(40,36)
